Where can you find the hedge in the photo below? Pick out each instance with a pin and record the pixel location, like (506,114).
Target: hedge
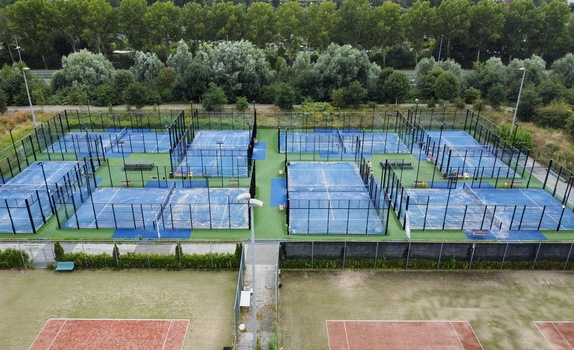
(178,261)
(13,259)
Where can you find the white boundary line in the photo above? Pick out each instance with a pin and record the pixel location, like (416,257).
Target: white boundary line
(456,334)
(57,334)
(346,335)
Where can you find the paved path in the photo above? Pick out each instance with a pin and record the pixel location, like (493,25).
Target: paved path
(266,255)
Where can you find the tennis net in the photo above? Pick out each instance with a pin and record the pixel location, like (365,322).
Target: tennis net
(164,205)
(495,222)
(341,141)
(114,140)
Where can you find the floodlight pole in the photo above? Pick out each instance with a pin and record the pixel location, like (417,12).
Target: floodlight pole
(252,202)
(18,48)
(440,47)
(28,92)
(523,69)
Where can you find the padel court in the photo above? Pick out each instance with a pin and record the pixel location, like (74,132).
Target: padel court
(559,334)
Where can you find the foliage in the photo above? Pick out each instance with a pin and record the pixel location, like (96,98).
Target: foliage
(123,79)
(13,258)
(58,251)
(471,95)
(214,98)
(137,95)
(355,94)
(396,87)
(497,95)
(104,95)
(285,96)
(182,58)
(338,67)
(339,98)
(146,66)
(238,67)
(241,104)
(487,74)
(194,82)
(555,115)
(530,101)
(563,70)
(520,136)
(274,342)
(446,86)
(86,68)
(3,102)
(550,90)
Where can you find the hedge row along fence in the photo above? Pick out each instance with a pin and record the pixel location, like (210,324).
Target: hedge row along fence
(427,255)
(14,259)
(176,261)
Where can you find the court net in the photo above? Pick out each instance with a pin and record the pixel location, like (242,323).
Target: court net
(164,205)
(341,141)
(495,222)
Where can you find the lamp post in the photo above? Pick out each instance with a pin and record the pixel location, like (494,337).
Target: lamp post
(18,48)
(252,202)
(28,92)
(523,69)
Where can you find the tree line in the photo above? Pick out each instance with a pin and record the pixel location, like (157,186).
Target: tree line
(393,34)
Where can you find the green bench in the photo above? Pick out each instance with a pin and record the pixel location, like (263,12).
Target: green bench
(65,266)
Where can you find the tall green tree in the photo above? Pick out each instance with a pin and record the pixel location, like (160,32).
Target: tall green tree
(563,70)
(193,17)
(32,21)
(87,68)
(226,21)
(290,26)
(387,30)
(417,21)
(101,25)
(71,31)
(552,35)
(486,23)
(322,23)
(133,25)
(520,28)
(261,19)
(164,18)
(355,22)
(453,22)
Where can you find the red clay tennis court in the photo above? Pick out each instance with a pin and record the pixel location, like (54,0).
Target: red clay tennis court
(412,335)
(559,334)
(104,334)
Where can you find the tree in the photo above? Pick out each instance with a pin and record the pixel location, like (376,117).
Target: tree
(563,70)
(33,21)
(136,95)
(388,30)
(86,68)
(238,67)
(242,104)
(290,26)
(396,87)
(285,96)
(322,24)
(192,18)
(70,30)
(101,25)
(417,23)
(182,58)
(555,115)
(355,94)
(530,102)
(486,75)
(214,98)
(261,18)
(146,66)
(520,28)
(446,86)
(486,23)
(338,67)
(164,18)
(226,21)
(194,82)
(497,95)
(453,21)
(426,88)
(552,32)
(123,79)
(354,22)
(132,23)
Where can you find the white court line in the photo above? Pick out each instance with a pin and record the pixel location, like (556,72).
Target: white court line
(346,335)
(539,207)
(57,334)
(563,337)
(456,334)
(104,208)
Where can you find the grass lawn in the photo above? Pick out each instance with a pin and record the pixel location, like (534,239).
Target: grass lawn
(29,298)
(501,306)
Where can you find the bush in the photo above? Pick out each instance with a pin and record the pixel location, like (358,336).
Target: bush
(497,95)
(214,98)
(104,95)
(285,96)
(471,95)
(3,102)
(555,115)
(12,258)
(58,251)
(241,104)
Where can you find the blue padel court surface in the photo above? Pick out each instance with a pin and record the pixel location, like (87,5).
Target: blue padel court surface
(340,142)
(166,208)
(24,200)
(487,209)
(220,153)
(471,157)
(330,198)
(115,141)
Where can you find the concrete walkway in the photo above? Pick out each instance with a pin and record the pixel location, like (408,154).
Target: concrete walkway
(266,257)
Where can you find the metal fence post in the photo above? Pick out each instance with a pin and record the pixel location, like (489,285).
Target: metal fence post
(568,257)
(21,255)
(504,256)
